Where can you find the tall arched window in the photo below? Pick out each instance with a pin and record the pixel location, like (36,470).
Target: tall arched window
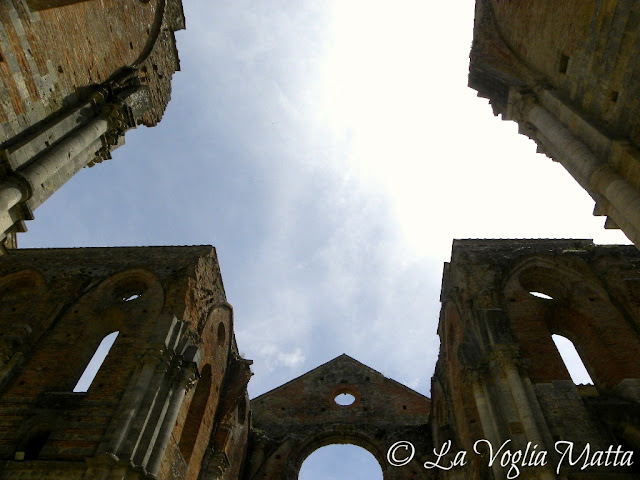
(344,461)
(572,360)
(95,363)
(196,413)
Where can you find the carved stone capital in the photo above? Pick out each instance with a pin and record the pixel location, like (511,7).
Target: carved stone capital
(155,357)
(477,373)
(505,356)
(188,376)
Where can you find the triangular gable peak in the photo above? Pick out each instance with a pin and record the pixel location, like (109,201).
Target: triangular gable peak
(293,420)
(336,364)
(314,393)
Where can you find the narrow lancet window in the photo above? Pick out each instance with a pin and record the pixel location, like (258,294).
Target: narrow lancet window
(95,363)
(572,360)
(198,406)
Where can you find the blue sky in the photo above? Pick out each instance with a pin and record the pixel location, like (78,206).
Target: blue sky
(330,151)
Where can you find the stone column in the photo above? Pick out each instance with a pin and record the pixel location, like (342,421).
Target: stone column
(595,175)
(487,420)
(41,178)
(488,423)
(37,170)
(184,382)
(133,398)
(523,407)
(10,196)
(52,170)
(144,430)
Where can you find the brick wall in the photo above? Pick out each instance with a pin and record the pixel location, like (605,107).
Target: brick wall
(586,50)
(292,421)
(58,304)
(499,374)
(47,58)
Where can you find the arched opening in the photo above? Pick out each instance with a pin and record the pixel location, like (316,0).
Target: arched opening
(95,363)
(541,295)
(340,462)
(580,308)
(196,413)
(572,360)
(130,288)
(33,443)
(242,410)
(221,334)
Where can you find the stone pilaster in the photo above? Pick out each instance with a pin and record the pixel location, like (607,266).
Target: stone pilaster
(186,379)
(134,397)
(34,169)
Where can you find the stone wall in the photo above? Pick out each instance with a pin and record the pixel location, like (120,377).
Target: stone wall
(294,420)
(171,378)
(567,73)
(500,376)
(50,57)
(74,78)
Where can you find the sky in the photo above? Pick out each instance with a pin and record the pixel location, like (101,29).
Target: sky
(331,152)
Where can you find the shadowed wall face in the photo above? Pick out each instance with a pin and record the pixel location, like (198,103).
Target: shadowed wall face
(49,57)
(566,72)
(340,402)
(170,383)
(75,78)
(503,300)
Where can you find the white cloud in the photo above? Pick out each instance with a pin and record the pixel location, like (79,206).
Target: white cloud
(274,358)
(331,152)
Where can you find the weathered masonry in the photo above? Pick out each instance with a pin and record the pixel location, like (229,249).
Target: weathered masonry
(500,376)
(74,77)
(169,400)
(292,421)
(568,73)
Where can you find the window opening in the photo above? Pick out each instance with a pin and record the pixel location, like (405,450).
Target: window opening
(221,334)
(341,462)
(242,410)
(572,360)
(95,363)
(344,399)
(541,295)
(564,63)
(34,443)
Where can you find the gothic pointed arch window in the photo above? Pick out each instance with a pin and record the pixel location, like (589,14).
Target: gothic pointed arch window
(98,358)
(547,295)
(572,360)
